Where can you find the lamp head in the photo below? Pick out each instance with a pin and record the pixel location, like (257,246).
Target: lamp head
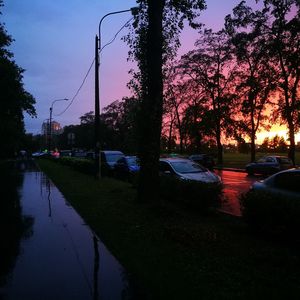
(134,10)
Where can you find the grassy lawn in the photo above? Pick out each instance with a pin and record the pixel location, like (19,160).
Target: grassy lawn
(174,253)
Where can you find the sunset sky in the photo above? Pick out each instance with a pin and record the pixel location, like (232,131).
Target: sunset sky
(54,43)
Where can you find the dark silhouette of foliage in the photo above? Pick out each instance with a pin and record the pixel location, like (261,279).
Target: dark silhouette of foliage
(154,40)
(212,69)
(279,22)
(257,76)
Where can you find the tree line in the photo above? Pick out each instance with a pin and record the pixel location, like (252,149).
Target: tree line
(235,82)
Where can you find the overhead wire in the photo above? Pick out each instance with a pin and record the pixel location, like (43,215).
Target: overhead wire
(115,36)
(80,87)
(77,92)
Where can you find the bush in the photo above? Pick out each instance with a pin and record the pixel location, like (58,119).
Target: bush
(271,214)
(79,164)
(192,194)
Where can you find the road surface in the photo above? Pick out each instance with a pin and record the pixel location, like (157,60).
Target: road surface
(235,183)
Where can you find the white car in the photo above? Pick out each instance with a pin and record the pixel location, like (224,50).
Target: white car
(186,169)
(284,184)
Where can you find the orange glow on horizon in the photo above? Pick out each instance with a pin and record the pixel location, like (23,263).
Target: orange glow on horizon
(281,131)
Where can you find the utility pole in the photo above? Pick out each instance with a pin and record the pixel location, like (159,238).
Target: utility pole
(97,96)
(50,131)
(50,122)
(97,112)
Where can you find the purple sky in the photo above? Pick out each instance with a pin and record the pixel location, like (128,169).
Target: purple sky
(54,43)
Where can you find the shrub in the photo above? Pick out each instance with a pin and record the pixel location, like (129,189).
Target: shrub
(192,194)
(79,164)
(272,214)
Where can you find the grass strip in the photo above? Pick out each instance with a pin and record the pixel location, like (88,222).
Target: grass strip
(175,253)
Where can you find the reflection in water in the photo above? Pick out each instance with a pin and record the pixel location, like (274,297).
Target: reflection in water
(234,184)
(96,267)
(49,197)
(13,226)
(62,258)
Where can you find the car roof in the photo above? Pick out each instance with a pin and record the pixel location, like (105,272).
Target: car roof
(174,159)
(130,156)
(297,170)
(112,152)
(276,156)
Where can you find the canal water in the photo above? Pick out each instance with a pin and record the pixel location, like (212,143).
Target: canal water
(47,250)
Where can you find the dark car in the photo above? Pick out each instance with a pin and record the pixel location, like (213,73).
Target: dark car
(285,184)
(65,153)
(268,165)
(205,160)
(127,167)
(109,160)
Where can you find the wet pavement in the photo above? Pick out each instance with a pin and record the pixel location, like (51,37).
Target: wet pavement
(48,251)
(234,184)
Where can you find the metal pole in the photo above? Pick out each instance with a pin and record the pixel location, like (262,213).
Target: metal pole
(97,94)
(50,130)
(97,112)
(50,121)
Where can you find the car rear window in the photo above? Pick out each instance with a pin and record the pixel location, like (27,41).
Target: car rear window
(112,158)
(284,160)
(288,181)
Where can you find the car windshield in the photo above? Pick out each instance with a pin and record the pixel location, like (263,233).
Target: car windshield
(132,161)
(187,167)
(262,160)
(112,158)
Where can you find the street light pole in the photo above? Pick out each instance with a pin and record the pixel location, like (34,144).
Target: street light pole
(97,94)
(50,122)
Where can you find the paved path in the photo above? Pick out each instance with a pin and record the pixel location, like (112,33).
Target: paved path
(59,257)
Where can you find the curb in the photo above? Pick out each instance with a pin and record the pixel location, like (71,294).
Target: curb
(230,169)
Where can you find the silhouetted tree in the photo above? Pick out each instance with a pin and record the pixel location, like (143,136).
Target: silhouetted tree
(265,145)
(257,76)
(120,119)
(156,27)
(212,68)
(281,28)
(282,145)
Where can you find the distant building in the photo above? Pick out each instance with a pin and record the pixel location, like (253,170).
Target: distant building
(56,128)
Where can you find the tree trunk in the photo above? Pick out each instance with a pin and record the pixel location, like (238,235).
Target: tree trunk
(151,106)
(253,152)
(292,147)
(170,136)
(219,146)
(252,134)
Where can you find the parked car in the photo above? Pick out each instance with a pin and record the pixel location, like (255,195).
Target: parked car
(65,153)
(284,184)
(109,160)
(185,169)
(205,160)
(269,165)
(126,167)
(39,154)
(79,154)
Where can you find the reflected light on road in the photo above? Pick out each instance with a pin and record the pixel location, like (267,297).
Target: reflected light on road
(235,183)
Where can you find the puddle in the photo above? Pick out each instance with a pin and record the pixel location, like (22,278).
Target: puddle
(54,254)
